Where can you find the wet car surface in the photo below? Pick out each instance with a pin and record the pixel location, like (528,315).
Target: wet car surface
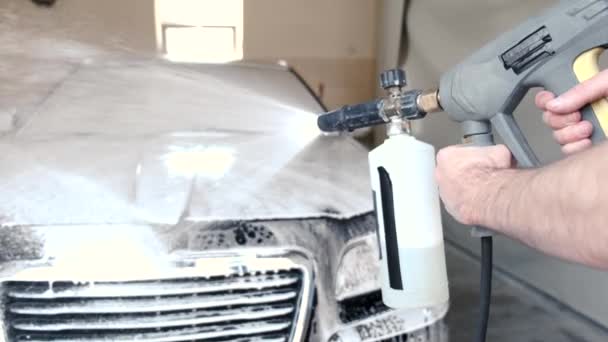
(149,200)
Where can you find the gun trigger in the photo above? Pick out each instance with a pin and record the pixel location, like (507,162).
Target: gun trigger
(585,67)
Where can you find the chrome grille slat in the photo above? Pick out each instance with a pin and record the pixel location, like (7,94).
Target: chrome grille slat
(157,321)
(185,334)
(148,289)
(254,306)
(261,339)
(162,304)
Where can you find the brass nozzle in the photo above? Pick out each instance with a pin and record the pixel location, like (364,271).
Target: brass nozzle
(428,101)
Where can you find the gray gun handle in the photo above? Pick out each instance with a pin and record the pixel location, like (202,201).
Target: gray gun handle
(556,50)
(478,133)
(558,76)
(584,67)
(558,83)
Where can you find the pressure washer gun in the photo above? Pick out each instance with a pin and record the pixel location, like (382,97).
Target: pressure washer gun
(556,51)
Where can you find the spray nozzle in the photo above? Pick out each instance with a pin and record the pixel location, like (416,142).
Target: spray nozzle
(399,104)
(349,118)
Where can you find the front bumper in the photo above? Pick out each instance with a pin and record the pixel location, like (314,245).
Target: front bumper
(322,248)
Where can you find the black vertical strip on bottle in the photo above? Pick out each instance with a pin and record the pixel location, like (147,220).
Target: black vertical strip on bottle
(377,225)
(390,230)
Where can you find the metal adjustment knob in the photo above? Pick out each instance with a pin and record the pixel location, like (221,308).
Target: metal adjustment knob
(408,102)
(393,78)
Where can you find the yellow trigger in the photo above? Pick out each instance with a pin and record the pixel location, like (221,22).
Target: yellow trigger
(585,67)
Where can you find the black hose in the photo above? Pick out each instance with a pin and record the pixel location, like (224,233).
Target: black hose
(485,288)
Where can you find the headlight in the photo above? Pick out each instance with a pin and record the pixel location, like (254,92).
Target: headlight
(363,315)
(359,268)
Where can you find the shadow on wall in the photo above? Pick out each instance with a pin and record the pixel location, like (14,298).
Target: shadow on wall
(45,3)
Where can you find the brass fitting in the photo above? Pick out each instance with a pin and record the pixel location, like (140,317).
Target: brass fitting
(428,101)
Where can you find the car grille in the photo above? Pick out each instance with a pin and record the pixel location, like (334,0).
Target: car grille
(246,307)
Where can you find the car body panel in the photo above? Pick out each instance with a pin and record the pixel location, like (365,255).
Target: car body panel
(151,142)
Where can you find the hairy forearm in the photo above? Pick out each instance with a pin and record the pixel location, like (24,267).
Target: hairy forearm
(561,209)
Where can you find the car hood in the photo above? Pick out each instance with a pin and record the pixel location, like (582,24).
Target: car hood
(123,140)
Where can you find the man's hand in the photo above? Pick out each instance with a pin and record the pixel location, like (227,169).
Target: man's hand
(468,179)
(563,116)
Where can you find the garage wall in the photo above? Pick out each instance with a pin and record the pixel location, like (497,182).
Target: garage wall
(389,35)
(440,34)
(200,30)
(126,23)
(331,43)
(121,25)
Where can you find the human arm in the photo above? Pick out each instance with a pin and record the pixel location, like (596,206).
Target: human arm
(560,209)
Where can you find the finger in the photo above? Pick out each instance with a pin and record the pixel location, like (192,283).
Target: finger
(582,94)
(559,121)
(542,98)
(576,146)
(574,133)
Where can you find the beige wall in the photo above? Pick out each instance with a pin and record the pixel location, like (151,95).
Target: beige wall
(125,24)
(219,33)
(331,43)
(114,24)
(389,34)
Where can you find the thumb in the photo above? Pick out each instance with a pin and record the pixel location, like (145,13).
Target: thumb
(581,95)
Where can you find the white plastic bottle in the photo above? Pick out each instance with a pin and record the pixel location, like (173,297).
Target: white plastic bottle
(409,223)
